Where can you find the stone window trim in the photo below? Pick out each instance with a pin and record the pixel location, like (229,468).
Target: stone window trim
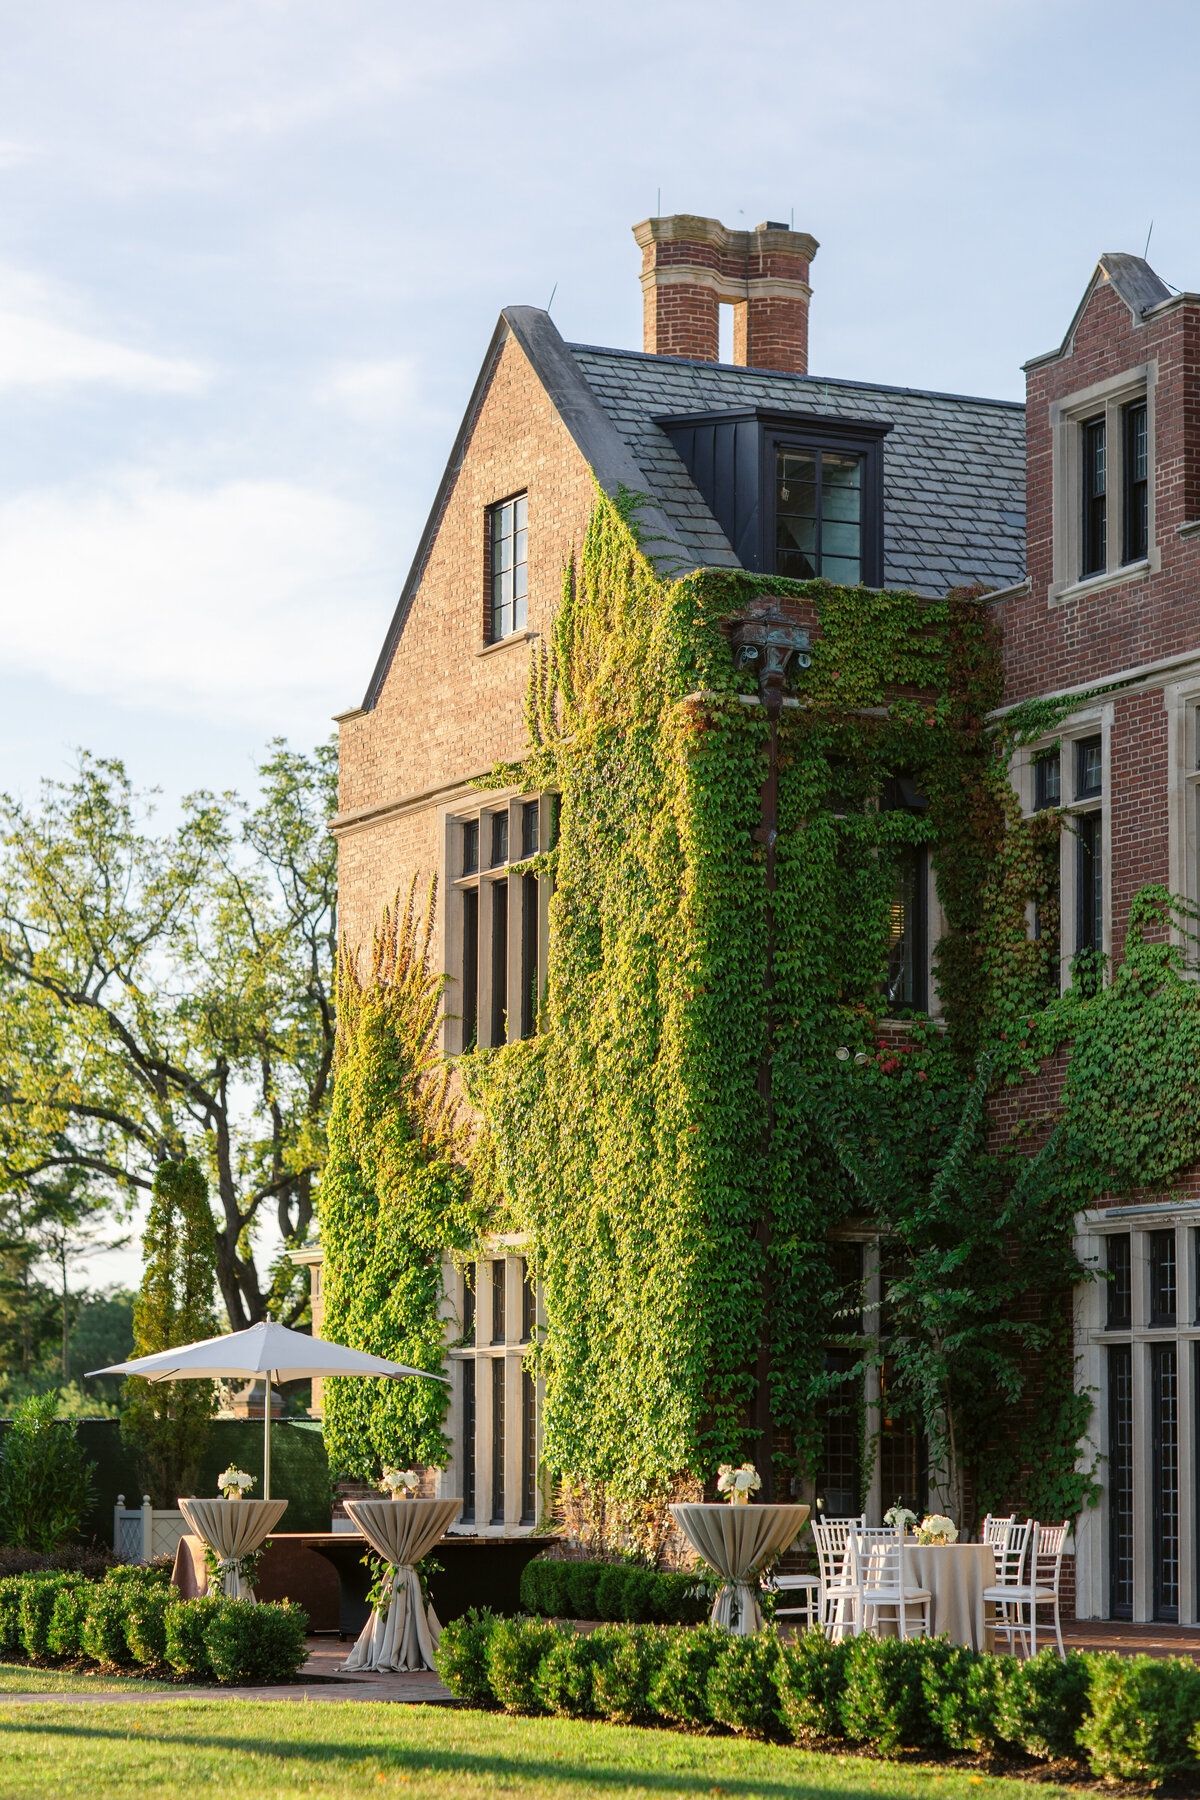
(1092,1340)
(513,1353)
(455,883)
(1089,722)
(1181,701)
(1067,416)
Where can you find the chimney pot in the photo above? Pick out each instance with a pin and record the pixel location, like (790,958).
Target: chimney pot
(693,265)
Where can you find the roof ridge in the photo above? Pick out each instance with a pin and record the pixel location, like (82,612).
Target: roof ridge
(838,381)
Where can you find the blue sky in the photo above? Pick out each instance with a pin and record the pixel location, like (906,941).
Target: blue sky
(251,254)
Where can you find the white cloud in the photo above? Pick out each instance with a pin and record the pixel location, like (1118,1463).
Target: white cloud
(35,352)
(256,600)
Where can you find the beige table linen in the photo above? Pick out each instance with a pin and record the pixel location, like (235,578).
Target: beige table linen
(737,1541)
(955,1575)
(405,1636)
(233,1529)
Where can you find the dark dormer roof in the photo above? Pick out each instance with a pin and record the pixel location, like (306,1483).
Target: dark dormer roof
(954,470)
(1131,279)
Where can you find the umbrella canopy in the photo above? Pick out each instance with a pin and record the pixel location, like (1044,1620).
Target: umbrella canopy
(266,1349)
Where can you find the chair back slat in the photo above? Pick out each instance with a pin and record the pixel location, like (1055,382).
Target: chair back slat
(996,1529)
(1010,1555)
(877,1558)
(1046,1554)
(832,1538)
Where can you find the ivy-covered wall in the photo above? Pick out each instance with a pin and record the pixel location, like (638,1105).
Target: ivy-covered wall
(672,1225)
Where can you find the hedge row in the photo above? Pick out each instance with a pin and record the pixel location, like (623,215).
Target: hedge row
(134,1617)
(614,1591)
(1128,1718)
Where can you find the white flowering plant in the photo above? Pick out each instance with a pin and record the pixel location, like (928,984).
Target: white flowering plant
(739,1484)
(936,1528)
(899,1518)
(399,1481)
(234,1484)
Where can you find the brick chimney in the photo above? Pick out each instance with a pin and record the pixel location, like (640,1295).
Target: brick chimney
(690,266)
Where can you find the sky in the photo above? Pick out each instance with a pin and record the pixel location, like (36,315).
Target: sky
(251,256)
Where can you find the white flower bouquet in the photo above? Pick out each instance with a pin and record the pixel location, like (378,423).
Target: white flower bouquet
(899,1518)
(936,1528)
(739,1484)
(234,1484)
(401,1484)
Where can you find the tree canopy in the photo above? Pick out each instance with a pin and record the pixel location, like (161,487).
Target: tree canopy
(167,991)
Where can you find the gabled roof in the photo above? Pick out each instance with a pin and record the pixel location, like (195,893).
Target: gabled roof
(954,470)
(1131,279)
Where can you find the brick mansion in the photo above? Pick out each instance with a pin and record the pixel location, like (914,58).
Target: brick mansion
(1078,513)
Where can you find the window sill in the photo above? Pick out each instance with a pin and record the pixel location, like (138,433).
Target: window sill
(506,643)
(1189,529)
(1095,584)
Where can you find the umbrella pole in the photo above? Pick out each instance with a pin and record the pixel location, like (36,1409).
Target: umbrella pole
(267,1438)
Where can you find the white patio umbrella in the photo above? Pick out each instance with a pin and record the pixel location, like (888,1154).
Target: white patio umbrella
(267,1349)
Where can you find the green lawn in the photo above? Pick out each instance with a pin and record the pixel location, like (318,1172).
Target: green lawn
(24,1678)
(272,1750)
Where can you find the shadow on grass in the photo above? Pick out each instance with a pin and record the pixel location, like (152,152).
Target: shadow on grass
(496,1768)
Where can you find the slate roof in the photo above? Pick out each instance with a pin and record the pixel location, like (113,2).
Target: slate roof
(954,467)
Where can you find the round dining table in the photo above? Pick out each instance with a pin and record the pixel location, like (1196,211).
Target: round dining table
(233,1529)
(402,1632)
(955,1575)
(737,1541)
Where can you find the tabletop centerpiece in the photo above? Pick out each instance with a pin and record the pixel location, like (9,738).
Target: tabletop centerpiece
(399,1484)
(739,1484)
(900,1518)
(936,1528)
(234,1484)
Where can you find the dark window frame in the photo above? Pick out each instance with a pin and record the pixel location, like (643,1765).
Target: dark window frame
(1135,510)
(731,456)
(1118,1257)
(1047,793)
(469,1423)
(1163,1271)
(1093,460)
(492,610)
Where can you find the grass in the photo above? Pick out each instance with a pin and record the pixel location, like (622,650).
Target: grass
(25,1678)
(321,1750)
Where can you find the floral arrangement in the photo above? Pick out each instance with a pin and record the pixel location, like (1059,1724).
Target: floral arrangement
(234,1484)
(936,1528)
(399,1483)
(739,1484)
(899,1518)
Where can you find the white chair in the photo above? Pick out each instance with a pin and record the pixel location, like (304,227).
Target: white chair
(838,1596)
(1017,1602)
(996,1529)
(809,1586)
(879,1564)
(1008,1551)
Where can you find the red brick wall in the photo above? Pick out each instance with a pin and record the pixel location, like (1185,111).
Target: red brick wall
(1047,646)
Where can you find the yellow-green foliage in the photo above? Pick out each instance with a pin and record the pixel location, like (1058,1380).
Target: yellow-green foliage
(628,1135)
(394,1195)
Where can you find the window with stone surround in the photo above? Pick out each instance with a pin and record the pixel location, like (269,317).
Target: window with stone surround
(1070,774)
(508,567)
(1103,476)
(497,919)
(1140,1360)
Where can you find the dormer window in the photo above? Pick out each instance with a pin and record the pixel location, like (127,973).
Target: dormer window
(797,494)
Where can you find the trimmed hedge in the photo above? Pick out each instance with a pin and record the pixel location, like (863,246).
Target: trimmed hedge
(133,1617)
(1131,1719)
(620,1593)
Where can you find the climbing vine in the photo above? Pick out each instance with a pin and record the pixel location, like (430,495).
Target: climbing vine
(668,1229)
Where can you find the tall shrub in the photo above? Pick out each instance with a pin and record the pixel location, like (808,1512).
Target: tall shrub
(166,1424)
(45,1479)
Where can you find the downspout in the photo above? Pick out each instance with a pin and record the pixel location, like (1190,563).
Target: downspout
(775,648)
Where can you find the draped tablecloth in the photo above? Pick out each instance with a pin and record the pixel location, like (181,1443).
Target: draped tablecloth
(736,1541)
(233,1529)
(955,1575)
(405,1634)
